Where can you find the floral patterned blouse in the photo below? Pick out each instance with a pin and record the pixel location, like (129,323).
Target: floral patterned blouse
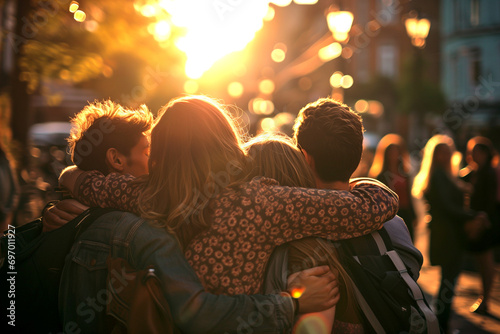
(250,220)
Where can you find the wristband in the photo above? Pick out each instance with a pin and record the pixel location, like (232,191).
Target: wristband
(294,300)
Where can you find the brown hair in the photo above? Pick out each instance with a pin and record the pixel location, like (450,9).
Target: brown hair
(195,153)
(104,125)
(379,164)
(275,156)
(486,145)
(333,135)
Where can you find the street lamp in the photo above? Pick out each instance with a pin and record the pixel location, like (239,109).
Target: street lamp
(339,23)
(417,30)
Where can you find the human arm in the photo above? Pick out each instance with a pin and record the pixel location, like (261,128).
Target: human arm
(197,311)
(94,189)
(294,213)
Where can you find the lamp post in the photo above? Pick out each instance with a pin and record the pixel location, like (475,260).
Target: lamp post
(339,23)
(418,30)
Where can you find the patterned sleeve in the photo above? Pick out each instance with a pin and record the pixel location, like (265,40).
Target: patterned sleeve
(294,213)
(112,191)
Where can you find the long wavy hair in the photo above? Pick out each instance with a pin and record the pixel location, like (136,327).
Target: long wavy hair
(421,183)
(195,153)
(275,156)
(379,164)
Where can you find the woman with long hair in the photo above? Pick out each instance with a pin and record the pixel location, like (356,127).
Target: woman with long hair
(437,182)
(275,156)
(199,188)
(391,166)
(480,173)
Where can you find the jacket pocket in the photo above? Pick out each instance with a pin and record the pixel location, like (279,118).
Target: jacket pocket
(91,255)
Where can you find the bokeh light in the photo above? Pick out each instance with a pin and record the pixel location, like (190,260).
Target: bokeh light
(305,2)
(314,323)
(270,14)
(305,83)
(80,16)
(267,124)
(335,79)
(266,86)
(278,55)
(162,30)
(281,3)
(361,106)
(73,6)
(346,81)
(261,106)
(330,52)
(235,89)
(191,87)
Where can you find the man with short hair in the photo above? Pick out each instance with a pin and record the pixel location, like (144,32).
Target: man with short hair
(108,138)
(330,135)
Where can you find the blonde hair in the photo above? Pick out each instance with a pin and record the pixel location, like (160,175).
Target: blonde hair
(312,252)
(275,156)
(195,153)
(379,164)
(421,183)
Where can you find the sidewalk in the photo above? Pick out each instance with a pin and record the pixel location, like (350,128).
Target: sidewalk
(467,290)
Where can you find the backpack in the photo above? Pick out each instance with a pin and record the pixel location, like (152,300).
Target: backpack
(390,300)
(31,273)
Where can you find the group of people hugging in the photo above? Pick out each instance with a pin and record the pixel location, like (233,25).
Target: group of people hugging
(207,208)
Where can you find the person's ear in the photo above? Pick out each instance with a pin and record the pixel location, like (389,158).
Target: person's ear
(115,160)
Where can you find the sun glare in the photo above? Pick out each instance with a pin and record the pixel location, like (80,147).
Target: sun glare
(212,29)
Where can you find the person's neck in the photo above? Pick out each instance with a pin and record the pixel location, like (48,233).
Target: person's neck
(335,185)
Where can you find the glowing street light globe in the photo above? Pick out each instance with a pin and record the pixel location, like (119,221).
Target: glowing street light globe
(340,23)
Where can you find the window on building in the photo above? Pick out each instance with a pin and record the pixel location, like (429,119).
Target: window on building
(362,66)
(387,60)
(387,12)
(474,67)
(454,75)
(474,13)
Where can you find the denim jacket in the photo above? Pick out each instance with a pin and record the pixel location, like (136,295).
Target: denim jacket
(83,296)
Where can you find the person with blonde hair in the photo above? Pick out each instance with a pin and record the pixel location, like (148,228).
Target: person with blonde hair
(228,225)
(391,166)
(480,173)
(276,156)
(437,182)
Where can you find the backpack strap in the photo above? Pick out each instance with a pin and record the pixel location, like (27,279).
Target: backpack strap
(430,317)
(367,310)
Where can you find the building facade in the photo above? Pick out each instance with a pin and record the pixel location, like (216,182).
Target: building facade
(470,67)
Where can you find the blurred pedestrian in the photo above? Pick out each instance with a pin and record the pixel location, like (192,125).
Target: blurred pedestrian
(438,182)
(391,165)
(9,190)
(480,173)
